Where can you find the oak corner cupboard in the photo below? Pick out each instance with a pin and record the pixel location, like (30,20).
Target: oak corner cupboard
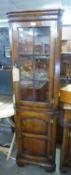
(35,50)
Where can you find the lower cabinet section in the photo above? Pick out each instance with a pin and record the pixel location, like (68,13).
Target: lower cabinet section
(36,138)
(65,163)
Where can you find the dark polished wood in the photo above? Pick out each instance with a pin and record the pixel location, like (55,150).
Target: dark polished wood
(35,49)
(65,94)
(65,97)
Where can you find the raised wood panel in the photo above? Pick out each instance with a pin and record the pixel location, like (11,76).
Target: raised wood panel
(30,146)
(30,124)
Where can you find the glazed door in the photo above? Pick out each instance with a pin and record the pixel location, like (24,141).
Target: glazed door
(34,60)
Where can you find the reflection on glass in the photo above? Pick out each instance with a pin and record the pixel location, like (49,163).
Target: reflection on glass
(34,55)
(34,90)
(41,69)
(26,90)
(41,89)
(41,41)
(36,69)
(34,41)
(26,69)
(25,40)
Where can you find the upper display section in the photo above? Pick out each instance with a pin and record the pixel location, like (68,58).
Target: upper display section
(35,45)
(34,41)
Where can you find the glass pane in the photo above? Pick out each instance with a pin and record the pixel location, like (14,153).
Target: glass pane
(41,41)
(26,79)
(25,40)
(26,90)
(33,60)
(26,69)
(41,89)
(41,68)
